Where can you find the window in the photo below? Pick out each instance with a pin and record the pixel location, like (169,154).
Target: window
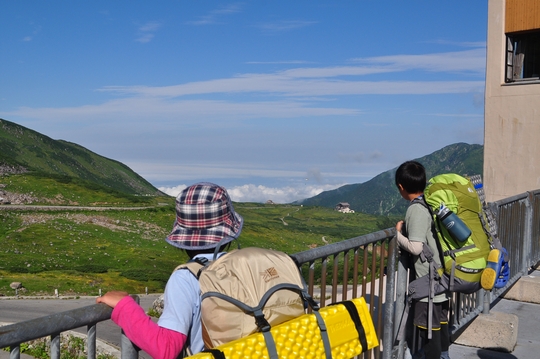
(523,56)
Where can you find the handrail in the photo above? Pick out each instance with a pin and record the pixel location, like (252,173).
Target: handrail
(32,329)
(12,335)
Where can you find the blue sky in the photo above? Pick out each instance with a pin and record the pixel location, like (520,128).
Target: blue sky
(274,100)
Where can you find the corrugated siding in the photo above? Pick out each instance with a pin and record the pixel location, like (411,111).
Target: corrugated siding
(522,15)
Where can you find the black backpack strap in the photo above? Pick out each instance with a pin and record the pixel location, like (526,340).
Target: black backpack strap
(353,312)
(216,353)
(427,255)
(195,266)
(436,230)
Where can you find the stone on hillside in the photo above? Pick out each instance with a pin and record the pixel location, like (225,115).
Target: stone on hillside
(16,285)
(157,305)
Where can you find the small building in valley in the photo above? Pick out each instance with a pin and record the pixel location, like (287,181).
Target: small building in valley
(343,207)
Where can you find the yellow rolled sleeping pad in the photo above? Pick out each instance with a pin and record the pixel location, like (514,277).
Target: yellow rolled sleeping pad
(349,327)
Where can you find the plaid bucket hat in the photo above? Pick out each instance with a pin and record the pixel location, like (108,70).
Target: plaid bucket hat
(205,218)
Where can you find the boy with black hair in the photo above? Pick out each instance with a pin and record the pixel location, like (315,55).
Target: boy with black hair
(412,234)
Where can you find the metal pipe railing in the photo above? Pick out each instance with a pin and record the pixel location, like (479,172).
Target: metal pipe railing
(53,325)
(374,278)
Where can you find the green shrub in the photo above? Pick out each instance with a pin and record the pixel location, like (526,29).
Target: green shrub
(91,268)
(144,275)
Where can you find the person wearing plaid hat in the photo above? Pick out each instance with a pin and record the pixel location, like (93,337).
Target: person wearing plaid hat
(205,224)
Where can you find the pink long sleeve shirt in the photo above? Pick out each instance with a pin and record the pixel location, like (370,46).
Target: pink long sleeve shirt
(158,342)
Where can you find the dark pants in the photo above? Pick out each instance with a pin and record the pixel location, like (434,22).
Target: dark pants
(440,335)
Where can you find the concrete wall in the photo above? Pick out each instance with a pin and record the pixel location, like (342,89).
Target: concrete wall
(512,120)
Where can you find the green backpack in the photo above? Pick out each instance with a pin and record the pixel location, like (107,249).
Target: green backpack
(463,261)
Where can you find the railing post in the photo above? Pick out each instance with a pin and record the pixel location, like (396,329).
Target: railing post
(128,350)
(15,352)
(388,331)
(527,233)
(487,300)
(91,341)
(55,346)
(401,301)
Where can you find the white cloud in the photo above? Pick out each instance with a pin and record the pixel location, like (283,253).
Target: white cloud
(261,194)
(146,32)
(462,61)
(184,111)
(303,92)
(294,87)
(285,25)
(335,80)
(289,62)
(145,38)
(160,172)
(216,15)
(150,27)
(173,191)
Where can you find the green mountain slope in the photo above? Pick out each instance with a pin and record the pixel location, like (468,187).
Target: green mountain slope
(379,195)
(81,251)
(24,150)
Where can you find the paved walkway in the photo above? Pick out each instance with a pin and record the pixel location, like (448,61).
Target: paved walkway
(528,336)
(528,342)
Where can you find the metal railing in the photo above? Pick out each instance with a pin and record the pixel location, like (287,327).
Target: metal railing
(368,266)
(361,266)
(54,325)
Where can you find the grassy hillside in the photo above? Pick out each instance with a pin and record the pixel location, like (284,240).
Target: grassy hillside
(379,195)
(48,189)
(25,150)
(80,251)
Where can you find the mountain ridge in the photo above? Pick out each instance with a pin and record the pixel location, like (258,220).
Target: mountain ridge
(25,150)
(379,196)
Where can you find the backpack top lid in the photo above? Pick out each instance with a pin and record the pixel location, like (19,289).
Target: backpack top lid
(455,191)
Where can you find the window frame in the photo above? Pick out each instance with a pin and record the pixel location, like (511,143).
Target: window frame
(518,49)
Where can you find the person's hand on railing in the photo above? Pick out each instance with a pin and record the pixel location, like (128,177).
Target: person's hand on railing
(112,298)
(399,226)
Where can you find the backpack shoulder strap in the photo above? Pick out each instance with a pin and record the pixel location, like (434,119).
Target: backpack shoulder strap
(433,277)
(195,266)
(434,230)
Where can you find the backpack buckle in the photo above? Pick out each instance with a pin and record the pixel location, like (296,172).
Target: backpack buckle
(201,260)
(262,323)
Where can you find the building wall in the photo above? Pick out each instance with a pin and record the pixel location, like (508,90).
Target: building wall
(512,120)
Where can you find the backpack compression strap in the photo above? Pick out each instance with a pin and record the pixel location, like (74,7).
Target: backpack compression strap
(355,317)
(216,353)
